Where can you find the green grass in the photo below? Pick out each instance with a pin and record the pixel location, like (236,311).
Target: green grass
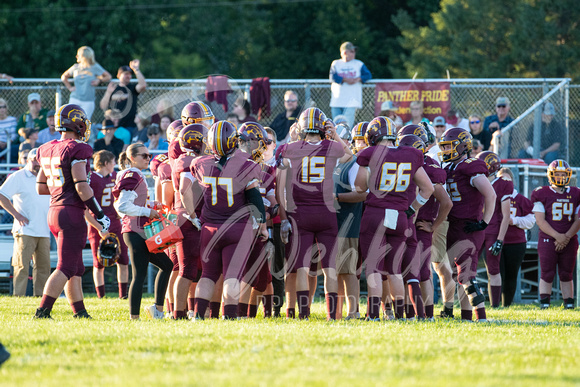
(524,346)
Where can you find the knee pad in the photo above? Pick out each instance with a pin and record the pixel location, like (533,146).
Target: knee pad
(474,288)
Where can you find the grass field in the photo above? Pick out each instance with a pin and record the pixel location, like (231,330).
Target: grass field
(523,346)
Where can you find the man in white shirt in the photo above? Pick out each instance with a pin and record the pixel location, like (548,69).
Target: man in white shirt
(31,234)
(347,76)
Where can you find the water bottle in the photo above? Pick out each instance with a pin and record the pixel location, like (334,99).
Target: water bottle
(148,231)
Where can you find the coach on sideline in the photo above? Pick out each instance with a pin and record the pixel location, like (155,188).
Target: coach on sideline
(30,228)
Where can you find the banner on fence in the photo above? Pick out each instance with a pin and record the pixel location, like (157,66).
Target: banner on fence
(434,95)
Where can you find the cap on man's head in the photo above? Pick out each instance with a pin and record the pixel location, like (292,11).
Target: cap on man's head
(388,106)
(439,121)
(502,101)
(50,113)
(124,69)
(549,109)
(33,97)
(347,46)
(32,154)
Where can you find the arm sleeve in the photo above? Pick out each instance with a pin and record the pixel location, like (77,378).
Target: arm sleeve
(334,77)
(365,74)
(525,222)
(255,199)
(538,207)
(125,205)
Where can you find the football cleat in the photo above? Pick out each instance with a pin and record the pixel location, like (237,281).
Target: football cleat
(446,313)
(154,313)
(42,313)
(82,314)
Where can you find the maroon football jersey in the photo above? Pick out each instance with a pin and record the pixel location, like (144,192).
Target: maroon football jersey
(438,176)
(503,189)
(391,174)
(156,161)
(164,172)
(310,173)
(56,159)
(103,190)
(467,200)
(224,186)
(519,206)
(267,184)
(174,150)
(132,180)
(559,208)
(180,165)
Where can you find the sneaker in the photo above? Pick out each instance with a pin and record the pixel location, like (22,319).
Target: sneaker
(42,313)
(544,306)
(569,306)
(154,313)
(376,319)
(446,313)
(4,354)
(190,314)
(388,315)
(82,314)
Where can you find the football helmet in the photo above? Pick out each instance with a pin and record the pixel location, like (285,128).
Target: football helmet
(341,119)
(173,129)
(252,131)
(413,141)
(192,138)
(492,160)
(312,121)
(222,138)
(197,112)
(359,130)
(73,118)
(430,131)
(559,166)
(109,250)
(417,130)
(343,132)
(380,128)
(460,141)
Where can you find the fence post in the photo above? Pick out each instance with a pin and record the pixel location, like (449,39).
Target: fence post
(567,118)
(57,98)
(306,93)
(537,139)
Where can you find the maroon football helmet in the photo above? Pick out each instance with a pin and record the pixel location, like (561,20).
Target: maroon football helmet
(417,130)
(222,138)
(252,131)
(192,138)
(412,141)
(559,166)
(173,129)
(492,160)
(73,118)
(359,130)
(197,113)
(460,141)
(380,128)
(312,121)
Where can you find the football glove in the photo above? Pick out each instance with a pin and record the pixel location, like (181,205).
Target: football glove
(410,212)
(105,222)
(474,226)
(285,230)
(195,221)
(496,247)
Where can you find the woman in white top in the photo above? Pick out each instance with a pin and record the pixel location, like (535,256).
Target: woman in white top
(86,74)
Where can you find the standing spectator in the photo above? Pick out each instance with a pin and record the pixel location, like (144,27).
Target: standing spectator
(417,114)
(454,120)
(284,120)
(155,142)
(109,141)
(501,119)
(140,131)
(35,118)
(164,109)
(49,133)
(388,109)
(114,115)
(7,125)
(242,109)
(478,132)
(87,74)
(30,229)
(553,137)
(123,96)
(347,76)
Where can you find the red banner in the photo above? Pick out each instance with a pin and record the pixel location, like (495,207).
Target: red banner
(434,95)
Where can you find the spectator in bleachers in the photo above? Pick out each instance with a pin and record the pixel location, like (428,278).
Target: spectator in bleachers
(477,147)
(109,141)
(155,142)
(501,119)
(49,133)
(30,141)
(34,118)
(141,123)
(30,229)
(7,125)
(121,133)
(283,121)
(552,137)
(233,119)
(87,74)
(242,109)
(123,95)
(347,75)
(163,125)
(454,120)
(388,109)
(439,125)
(417,113)
(478,132)
(164,109)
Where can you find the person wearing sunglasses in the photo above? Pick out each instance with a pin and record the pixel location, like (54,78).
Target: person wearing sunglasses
(284,120)
(478,132)
(502,118)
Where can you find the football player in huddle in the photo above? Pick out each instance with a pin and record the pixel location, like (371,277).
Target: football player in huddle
(230,184)
(357,135)
(306,169)
(192,140)
(470,192)
(257,281)
(431,215)
(497,228)
(556,209)
(388,173)
(64,176)
(102,183)
(131,203)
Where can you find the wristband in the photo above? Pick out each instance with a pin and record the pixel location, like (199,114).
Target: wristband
(270,233)
(94,206)
(421,200)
